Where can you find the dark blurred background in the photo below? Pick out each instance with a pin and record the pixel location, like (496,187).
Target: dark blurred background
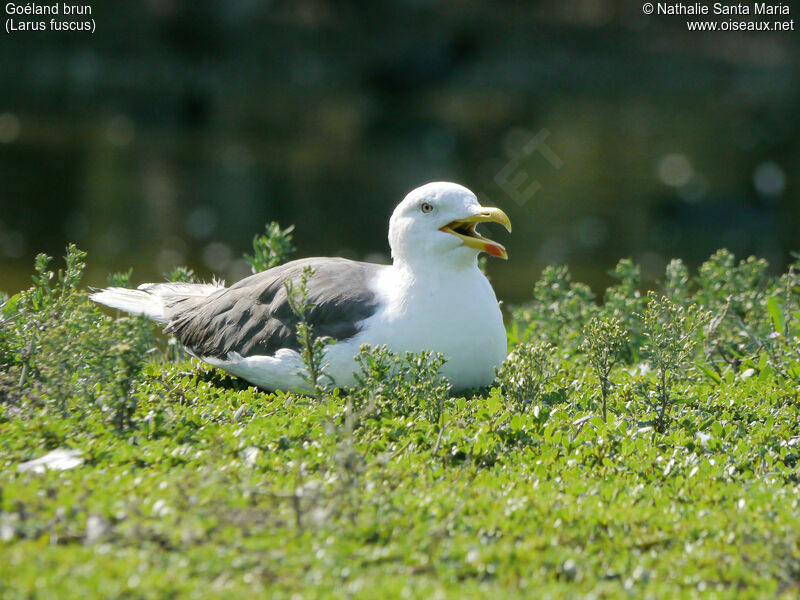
(177,130)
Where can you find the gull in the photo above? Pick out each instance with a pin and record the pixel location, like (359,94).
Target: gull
(433,297)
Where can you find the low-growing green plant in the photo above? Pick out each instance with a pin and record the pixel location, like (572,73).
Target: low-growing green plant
(65,353)
(721,280)
(312,347)
(623,301)
(425,383)
(121,279)
(669,344)
(181,274)
(401,384)
(605,344)
(677,281)
(739,293)
(272,248)
(526,374)
(782,344)
(556,313)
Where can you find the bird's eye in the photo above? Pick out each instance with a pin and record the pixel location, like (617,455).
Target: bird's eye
(425,207)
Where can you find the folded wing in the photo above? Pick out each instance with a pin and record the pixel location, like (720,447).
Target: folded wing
(254,317)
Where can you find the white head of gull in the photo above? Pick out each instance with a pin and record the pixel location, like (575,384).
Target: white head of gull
(432,297)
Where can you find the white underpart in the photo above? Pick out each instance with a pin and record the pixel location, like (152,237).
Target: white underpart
(282,371)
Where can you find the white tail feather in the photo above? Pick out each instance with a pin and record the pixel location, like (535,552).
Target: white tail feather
(149,299)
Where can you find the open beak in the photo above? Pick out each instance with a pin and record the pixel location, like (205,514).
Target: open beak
(464,229)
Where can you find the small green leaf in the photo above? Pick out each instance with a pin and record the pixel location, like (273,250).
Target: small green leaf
(776,312)
(710,373)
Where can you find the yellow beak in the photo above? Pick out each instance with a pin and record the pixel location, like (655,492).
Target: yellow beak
(464,229)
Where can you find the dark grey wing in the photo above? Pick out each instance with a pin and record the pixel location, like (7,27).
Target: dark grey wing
(253,317)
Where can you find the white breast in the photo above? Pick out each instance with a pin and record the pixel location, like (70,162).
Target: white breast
(455,313)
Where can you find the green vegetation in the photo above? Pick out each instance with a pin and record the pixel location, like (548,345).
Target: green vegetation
(272,248)
(644,446)
(605,341)
(312,346)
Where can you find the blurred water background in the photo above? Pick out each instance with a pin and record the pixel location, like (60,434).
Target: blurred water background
(177,130)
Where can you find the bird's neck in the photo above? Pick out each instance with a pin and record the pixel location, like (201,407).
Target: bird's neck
(430,279)
(452,264)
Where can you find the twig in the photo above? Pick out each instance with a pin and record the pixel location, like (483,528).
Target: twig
(438,440)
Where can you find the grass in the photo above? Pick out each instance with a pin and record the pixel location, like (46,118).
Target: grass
(195,485)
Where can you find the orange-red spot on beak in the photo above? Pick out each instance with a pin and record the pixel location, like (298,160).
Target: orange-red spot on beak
(495,250)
